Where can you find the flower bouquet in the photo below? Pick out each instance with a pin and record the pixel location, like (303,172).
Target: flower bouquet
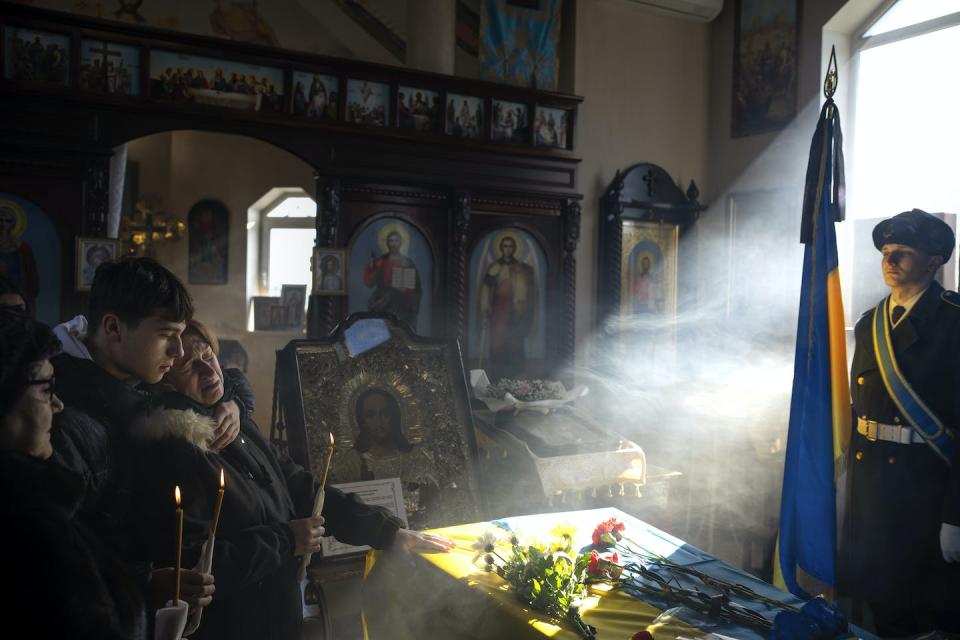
(549,577)
(523,395)
(552,578)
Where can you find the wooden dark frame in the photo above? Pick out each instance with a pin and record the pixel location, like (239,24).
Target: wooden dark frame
(571,142)
(295,434)
(468,93)
(645,193)
(282,113)
(319,70)
(123,41)
(221,210)
(433,236)
(531,111)
(452,232)
(488,222)
(427,86)
(74,46)
(150,39)
(373,78)
(64,138)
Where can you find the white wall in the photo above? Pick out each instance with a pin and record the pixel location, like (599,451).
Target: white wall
(643,78)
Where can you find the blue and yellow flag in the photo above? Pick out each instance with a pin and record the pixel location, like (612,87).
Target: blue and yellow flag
(806,558)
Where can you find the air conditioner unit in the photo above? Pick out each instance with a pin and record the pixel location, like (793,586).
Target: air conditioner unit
(699,10)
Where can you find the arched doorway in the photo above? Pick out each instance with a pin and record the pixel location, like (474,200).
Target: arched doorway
(182,168)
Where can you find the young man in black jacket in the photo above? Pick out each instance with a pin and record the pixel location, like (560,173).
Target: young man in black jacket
(138,309)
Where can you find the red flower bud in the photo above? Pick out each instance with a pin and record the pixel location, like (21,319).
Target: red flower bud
(594,567)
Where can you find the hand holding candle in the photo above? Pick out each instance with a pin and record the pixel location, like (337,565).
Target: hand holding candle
(318,502)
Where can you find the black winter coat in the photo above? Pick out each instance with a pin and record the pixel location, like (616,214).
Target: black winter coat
(258,595)
(901,493)
(60,580)
(92,435)
(89,438)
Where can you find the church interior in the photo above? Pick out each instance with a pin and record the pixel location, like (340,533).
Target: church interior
(499,265)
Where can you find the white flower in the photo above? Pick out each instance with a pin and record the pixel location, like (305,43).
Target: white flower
(484,544)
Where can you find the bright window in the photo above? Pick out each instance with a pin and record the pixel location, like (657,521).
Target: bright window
(290,253)
(287,233)
(901,136)
(906,13)
(906,127)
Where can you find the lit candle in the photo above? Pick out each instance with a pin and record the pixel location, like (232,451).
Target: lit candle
(216,509)
(176,593)
(326,465)
(318,502)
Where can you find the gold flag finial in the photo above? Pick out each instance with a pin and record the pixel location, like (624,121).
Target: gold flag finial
(830,82)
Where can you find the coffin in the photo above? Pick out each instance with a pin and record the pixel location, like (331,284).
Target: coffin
(532,462)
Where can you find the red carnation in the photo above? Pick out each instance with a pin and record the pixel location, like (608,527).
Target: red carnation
(598,533)
(608,532)
(594,567)
(616,528)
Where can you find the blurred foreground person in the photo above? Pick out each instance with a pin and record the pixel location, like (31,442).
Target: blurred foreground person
(62,581)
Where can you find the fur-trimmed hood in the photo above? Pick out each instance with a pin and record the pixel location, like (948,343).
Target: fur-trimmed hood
(185,424)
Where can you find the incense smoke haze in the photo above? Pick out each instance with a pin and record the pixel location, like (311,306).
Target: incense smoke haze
(708,394)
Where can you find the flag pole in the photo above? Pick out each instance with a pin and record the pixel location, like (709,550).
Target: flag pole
(806,559)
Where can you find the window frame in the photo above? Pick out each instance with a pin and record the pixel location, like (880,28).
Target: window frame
(267,224)
(849,45)
(860,43)
(863,42)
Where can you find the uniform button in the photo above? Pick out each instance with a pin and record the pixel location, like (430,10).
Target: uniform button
(896,419)
(859,455)
(891,459)
(860,380)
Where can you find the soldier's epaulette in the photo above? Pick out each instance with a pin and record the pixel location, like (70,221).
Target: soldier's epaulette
(951,297)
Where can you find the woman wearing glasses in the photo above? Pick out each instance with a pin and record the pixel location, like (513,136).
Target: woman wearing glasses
(62,581)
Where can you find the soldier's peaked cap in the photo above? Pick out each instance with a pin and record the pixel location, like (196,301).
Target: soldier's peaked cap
(917,229)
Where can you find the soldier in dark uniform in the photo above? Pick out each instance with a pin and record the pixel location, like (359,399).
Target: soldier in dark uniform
(902,540)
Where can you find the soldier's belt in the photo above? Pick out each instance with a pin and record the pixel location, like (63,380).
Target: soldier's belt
(874,430)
